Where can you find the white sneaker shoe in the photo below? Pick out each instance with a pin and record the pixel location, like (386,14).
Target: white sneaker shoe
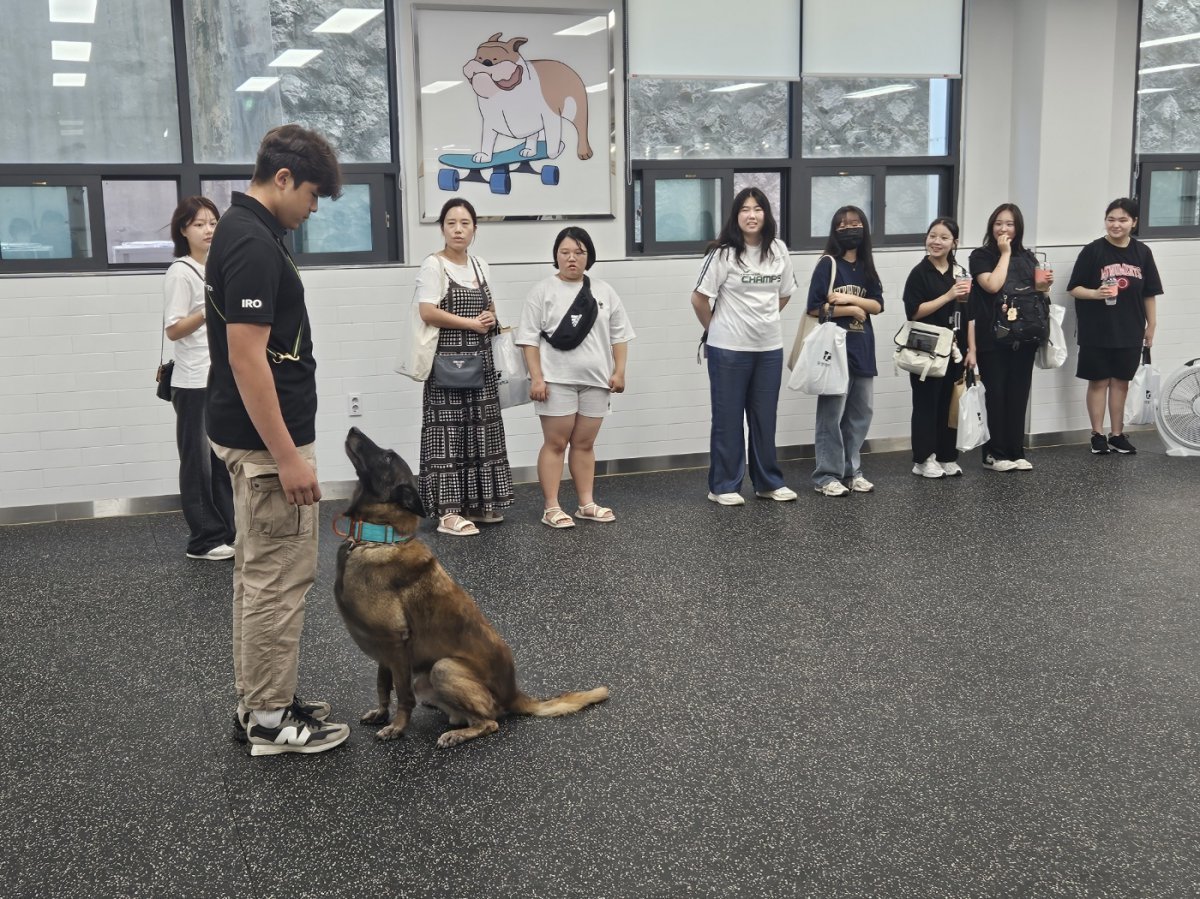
(779,494)
(1022,465)
(728,499)
(930,468)
(861,485)
(994,464)
(833,488)
(216,554)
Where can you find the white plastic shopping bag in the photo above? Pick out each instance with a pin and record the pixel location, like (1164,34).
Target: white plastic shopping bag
(972,415)
(1052,352)
(512,375)
(821,368)
(1143,393)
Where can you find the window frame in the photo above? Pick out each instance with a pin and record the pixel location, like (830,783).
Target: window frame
(384,178)
(1145,167)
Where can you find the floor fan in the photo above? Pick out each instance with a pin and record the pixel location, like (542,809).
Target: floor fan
(1178,411)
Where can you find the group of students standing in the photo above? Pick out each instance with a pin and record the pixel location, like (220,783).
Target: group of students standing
(747,279)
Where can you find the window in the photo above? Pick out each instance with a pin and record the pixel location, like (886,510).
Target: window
(886,145)
(1168,129)
(152,100)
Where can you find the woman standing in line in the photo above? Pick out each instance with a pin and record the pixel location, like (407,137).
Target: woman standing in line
(746,280)
(846,287)
(1002,267)
(1115,284)
(204,487)
(934,295)
(464,476)
(573,371)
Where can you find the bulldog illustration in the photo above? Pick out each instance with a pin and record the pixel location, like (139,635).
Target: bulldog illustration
(526,99)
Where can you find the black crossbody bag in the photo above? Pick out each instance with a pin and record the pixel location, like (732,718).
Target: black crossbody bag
(577,323)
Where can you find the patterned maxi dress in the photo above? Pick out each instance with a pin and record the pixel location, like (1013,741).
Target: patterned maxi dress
(464,460)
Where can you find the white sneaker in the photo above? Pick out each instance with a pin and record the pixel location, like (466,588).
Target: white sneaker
(951,469)
(779,494)
(216,554)
(1022,465)
(861,485)
(833,488)
(727,499)
(994,464)
(929,468)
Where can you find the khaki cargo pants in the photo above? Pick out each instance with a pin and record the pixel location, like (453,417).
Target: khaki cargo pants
(274,566)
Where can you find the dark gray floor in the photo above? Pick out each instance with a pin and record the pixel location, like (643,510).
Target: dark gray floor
(981,687)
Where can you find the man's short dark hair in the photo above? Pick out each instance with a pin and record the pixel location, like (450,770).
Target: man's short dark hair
(306,154)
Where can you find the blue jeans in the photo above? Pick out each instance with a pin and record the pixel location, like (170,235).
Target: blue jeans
(204,488)
(744,387)
(842,425)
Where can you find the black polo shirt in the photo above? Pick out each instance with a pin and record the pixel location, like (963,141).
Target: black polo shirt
(251,278)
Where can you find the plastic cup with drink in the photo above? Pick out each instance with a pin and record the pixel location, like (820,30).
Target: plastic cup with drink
(1109,284)
(962,276)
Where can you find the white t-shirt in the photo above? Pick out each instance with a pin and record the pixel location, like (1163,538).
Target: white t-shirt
(746,315)
(432,284)
(591,363)
(184,292)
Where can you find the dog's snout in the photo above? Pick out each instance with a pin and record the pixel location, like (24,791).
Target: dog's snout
(487,62)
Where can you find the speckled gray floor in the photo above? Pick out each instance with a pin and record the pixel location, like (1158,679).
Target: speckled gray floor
(987,686)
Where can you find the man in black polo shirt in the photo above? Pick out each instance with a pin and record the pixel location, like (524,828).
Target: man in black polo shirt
(262,406)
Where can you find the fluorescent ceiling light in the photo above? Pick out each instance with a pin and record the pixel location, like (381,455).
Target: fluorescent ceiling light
(1178,65)
(586,27)
(596,88)
(77,11)
(436,87)
(257,84)
(1155,90)
(294,59)
(730,88)
(71,51)
(879,91)
(345,21)
(1177,39)
(70,79)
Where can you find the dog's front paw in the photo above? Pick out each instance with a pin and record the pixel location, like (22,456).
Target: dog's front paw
(526,152)
(450,738)
(375,716)
(482,157)
(391,732)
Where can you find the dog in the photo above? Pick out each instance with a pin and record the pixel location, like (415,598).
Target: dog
(526,100)
(402,608)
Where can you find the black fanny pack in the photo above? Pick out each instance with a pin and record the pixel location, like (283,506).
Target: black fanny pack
(577,323)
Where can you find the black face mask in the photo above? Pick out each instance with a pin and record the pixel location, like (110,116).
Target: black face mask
(849,238)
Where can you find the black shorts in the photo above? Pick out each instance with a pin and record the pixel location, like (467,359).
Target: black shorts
(1099,363)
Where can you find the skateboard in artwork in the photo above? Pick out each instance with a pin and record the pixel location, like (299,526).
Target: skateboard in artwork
(503,165)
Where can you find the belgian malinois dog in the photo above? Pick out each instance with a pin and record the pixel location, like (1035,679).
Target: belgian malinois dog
(406,612)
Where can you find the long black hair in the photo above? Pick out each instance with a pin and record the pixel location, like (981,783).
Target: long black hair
(731,233)
(950,225)
(185,213)
(834,249)
(989,239)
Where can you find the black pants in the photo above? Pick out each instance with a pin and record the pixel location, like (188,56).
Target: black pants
(931,433)
(204,487)
(1007,375)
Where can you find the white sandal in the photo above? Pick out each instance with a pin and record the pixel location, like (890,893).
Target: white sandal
(455,525)
(555,517)
(593,511)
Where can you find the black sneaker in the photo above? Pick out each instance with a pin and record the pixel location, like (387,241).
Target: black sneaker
(1121,444)
(1099,445)
(297,732)
(313,708)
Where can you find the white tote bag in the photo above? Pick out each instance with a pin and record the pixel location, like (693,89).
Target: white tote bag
(1052,352)
(1143,393)
(821,368)
(972,415)
(512,375)
(420,342)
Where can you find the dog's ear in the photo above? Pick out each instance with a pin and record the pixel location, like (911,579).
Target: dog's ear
(407,497)
(516,42)
(494,37)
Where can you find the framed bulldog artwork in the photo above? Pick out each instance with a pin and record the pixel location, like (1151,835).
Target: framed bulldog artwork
(516,111)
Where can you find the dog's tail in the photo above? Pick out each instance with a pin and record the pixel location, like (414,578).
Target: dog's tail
(558,705)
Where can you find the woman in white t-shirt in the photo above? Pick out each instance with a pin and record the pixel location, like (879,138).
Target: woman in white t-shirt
(746,280)
(574,368)
(204,489)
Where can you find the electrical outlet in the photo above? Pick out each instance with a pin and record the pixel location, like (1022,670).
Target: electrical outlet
(354,402)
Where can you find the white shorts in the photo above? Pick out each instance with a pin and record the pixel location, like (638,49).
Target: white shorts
(569,399)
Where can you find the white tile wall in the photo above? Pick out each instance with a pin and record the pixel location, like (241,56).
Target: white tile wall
(79,420)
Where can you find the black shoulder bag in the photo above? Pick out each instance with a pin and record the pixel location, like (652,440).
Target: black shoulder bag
(578,321)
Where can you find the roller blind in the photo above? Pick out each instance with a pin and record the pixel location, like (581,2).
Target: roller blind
(907,38)
(714,39)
